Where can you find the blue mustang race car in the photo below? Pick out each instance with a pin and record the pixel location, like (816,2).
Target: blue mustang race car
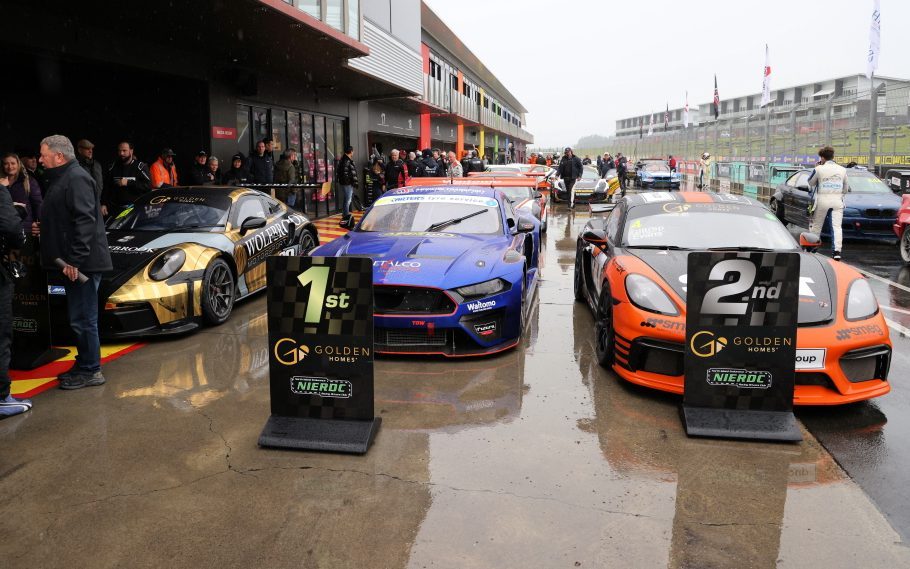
(454,269)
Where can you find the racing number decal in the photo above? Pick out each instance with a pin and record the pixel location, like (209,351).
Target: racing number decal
(317,277)
(745,279)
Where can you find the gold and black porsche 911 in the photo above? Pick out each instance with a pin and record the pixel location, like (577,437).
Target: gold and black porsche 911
(183,256)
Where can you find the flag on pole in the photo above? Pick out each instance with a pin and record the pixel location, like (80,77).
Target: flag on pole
(667,117)
(651,125)
(686,112)
(641,123)
(875,39)
(766,81)
(716,99)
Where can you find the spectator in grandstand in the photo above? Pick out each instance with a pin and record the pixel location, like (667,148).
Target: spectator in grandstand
(85,151)
(163,171)
(24,190)
(262,166)
(238,175)
(74,242)
(127,179)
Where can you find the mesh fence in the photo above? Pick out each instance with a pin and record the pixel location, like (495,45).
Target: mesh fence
(791,134)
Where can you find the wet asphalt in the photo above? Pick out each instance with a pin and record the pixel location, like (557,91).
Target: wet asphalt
(536,457)
(869,440)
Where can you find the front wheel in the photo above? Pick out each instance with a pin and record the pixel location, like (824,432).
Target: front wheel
(218,292)
(603,329)
(905,245)
(307,243)
(578,281)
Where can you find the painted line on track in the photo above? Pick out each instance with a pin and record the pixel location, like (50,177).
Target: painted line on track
(894,309)
(882,279)
(900,329)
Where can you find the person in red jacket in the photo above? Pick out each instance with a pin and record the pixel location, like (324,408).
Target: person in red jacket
(672,163)
(163,171)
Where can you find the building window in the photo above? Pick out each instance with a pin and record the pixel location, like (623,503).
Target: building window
(334,16)
(311,7)
(354,19)
(454,79)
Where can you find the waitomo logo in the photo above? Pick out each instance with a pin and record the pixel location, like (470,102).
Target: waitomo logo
(480,305)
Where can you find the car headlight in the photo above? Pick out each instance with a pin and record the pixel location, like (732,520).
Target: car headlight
(601,187)
(486,288)
(861,302)
(646,177)
(645,294)
(167,265)
(851,212)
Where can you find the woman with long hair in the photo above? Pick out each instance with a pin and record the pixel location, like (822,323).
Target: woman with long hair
(23,188)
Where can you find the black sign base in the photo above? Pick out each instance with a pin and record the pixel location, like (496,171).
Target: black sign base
(330,435)
(27,361)
(737,424)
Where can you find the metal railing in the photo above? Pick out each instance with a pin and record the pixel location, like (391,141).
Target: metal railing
(790,133)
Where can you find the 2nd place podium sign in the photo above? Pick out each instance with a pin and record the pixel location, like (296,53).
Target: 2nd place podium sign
(741,318)
(320,314)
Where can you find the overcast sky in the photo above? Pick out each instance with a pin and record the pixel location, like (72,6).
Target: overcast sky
(579,65)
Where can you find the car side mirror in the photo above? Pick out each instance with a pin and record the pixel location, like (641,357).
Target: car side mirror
(595,237)
(803,187)
(809,241)
(525,225)
(252,223)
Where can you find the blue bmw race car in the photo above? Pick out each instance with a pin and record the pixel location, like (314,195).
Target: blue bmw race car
(454,269)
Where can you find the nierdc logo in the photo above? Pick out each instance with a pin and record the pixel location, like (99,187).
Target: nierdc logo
(481,305)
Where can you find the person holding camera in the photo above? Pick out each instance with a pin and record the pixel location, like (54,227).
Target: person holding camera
(12,236)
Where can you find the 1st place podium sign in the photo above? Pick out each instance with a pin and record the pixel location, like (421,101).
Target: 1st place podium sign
(740,359)
(320,314)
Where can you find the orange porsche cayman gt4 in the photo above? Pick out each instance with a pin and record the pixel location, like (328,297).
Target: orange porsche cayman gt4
(630,268)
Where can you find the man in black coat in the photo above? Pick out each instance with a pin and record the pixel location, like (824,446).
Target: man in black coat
(74,242)
(427,166)
(570,169)
(199,173)
(475,164)
(11,237)
(412,164)
(87,160)
(262,166)
(127,179)
(396,171)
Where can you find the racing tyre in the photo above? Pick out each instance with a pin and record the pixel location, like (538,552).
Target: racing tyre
(905,245)
(307,243)
(603,329)
(775,208)
(218,292)
(578,281)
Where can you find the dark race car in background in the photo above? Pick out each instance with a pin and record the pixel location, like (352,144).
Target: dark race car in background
(183,256)
(870,208)
(657,175)
(455,269)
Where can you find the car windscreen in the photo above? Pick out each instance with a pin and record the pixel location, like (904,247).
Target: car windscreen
(656,167)
(157,212)
(517,195)
(705,226)
(589,174)
(866,184)
(431,212)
